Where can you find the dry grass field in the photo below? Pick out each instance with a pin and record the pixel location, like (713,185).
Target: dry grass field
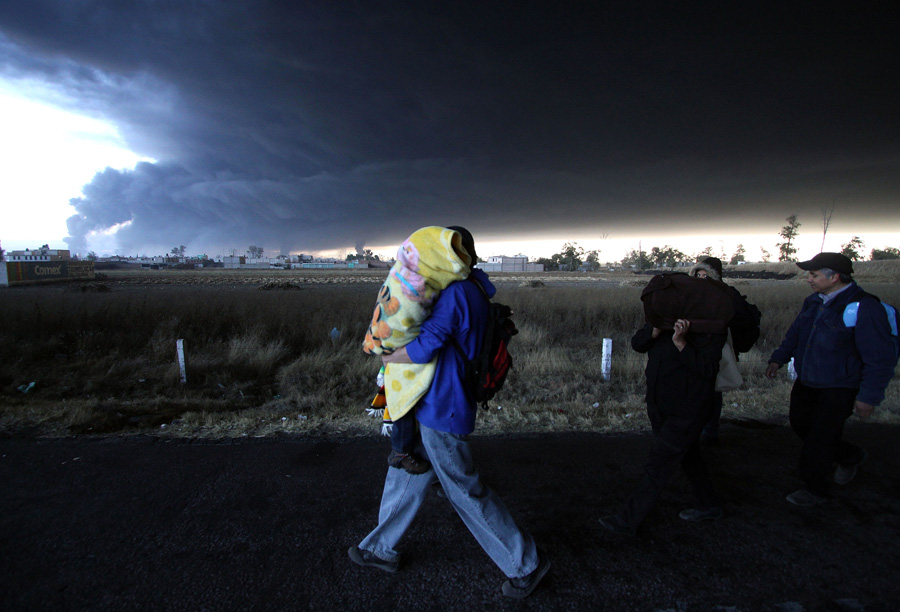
(262,361)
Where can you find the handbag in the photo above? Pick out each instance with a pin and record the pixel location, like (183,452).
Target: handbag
(729,377)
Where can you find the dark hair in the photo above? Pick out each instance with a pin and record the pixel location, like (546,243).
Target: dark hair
(844,278)
(468,242)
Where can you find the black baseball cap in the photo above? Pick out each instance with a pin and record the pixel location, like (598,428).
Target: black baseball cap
(833,261)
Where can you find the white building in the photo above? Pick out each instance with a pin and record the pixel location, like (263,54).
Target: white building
(45,253)
(516,263)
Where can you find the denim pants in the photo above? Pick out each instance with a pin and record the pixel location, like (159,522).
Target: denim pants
(818,417)
(403,433)
(480,508)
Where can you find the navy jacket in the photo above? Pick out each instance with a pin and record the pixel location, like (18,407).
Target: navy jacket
(829,354)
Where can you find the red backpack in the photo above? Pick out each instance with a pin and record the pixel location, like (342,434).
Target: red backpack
(486,373)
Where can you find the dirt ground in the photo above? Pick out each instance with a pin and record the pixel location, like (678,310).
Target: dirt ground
(264,524)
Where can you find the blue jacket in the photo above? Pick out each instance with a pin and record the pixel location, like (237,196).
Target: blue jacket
(829,354)
(461,311)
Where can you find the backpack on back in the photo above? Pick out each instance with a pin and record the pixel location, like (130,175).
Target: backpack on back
(852,309)
(486,373)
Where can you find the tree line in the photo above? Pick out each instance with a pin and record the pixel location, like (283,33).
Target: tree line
(573,257)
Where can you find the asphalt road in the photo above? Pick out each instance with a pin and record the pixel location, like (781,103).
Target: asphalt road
(154,524)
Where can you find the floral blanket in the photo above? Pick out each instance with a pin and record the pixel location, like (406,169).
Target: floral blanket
(427,262)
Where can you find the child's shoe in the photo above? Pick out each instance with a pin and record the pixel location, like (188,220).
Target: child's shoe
(408,462)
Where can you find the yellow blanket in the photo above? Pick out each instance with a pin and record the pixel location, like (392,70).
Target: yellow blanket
(429,260)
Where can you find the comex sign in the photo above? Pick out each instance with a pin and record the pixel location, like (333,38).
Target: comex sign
(48,270)
(42,271)
(21,271)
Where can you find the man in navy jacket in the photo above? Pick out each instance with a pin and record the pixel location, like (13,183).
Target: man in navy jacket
(446,417)
(843,366)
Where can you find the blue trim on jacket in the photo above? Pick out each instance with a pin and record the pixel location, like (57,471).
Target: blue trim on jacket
(460,311)
(828,354)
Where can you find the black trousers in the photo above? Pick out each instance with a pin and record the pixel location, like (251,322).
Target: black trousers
(818,417)
(676,442)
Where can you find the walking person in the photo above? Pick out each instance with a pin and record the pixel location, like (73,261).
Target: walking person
(844,357)
(682,364)
(446,417)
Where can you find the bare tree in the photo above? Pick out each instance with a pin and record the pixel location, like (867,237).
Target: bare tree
(826,221)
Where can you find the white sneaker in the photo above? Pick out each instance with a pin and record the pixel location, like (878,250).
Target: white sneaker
(844,474)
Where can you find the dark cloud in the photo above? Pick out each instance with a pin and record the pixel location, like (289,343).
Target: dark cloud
(317,125)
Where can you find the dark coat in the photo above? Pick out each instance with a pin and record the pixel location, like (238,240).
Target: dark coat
(680,383)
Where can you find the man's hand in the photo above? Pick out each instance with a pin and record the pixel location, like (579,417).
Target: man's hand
(679,338)
(863,409)
(772,370)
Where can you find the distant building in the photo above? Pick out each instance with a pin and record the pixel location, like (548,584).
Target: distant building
(245,263)
(43,265)
(516,263)
(45,253)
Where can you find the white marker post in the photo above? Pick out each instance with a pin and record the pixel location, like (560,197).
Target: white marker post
(179,349)
(606,359)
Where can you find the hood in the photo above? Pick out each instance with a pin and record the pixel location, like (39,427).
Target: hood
(713,273)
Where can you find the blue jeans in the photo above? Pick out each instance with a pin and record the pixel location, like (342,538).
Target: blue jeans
(482,510)
(403,433)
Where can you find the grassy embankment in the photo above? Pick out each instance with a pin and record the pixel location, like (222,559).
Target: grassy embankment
(102,354)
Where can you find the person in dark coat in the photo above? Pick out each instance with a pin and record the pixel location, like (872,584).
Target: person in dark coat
(681,372)
(844,355)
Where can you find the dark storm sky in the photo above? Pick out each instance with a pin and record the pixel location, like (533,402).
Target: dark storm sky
(324,125)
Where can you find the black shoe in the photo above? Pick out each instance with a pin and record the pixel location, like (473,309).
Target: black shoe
(368,559)
(520,588)
(616,524)
(408,462)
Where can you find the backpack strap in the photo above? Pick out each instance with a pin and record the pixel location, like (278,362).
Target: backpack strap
(480,286)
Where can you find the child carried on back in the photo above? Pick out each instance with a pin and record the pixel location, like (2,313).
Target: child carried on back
(427,262)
